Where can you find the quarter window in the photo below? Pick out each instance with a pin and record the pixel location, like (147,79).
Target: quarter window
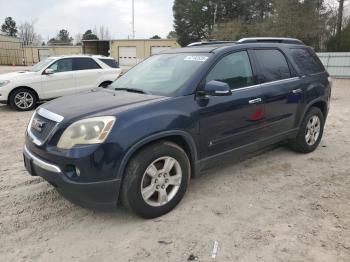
(273,65)
(233,69)
(62,65)
(85,64)
(307,62)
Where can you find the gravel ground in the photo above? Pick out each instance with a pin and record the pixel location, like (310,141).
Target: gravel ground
(277,206)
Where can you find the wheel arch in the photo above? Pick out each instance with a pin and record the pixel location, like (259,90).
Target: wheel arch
(319,103)
(25,87)
(181,138)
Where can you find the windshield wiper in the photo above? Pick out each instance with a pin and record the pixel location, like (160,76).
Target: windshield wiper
(133,90)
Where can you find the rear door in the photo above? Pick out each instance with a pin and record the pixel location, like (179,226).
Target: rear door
(87,73)
(231,122)
(61,82)
(282,91)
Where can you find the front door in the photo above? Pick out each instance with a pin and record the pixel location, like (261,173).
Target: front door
(231,122)
(61,82)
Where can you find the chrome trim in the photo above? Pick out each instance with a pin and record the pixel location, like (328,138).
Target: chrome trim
(50,115)
(268,83)
(41,163)
(254,101)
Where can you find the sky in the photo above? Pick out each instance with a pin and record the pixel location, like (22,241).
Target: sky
(151,16)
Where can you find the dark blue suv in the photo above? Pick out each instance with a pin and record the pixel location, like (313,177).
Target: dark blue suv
(144,137)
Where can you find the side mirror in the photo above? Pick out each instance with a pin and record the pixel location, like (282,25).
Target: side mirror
(49,71)
(217,88)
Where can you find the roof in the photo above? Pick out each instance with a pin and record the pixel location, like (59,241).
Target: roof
(81,55)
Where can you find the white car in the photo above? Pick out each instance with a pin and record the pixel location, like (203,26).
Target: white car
(55,77)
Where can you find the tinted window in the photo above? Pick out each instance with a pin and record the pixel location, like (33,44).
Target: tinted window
(85,64)
(110,62)
(273,65)
(307,62)
(233,69)
(62,65)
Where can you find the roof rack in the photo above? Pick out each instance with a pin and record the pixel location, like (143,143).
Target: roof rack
(211,43)
(270,40)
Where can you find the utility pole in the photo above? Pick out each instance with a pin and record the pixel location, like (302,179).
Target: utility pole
(340,16)
(133,19)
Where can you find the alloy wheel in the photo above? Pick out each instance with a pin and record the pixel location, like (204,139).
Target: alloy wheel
(313,129)
(161,181)
(24,100)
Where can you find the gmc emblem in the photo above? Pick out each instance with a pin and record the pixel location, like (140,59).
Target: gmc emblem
(38,125)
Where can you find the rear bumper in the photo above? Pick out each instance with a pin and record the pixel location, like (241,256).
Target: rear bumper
(95,195)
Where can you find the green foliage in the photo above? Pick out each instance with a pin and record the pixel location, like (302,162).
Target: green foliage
(9,27)
(340,42)
(308,20)
(156,37)
(172,35)
(62,38)
(193,20)
(88,35)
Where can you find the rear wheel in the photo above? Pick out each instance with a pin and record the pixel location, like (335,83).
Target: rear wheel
(310,132)
(23,99)
(156,179)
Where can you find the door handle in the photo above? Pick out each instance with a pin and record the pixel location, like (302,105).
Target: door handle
(254,101)
(297,91)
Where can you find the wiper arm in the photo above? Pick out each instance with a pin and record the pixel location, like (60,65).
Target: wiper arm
(133,90)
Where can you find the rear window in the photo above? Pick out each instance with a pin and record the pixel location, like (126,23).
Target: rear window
(273,65)
(84,64)
(306,61)
(110,62)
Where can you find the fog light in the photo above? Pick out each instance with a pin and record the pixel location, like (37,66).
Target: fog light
(72,172)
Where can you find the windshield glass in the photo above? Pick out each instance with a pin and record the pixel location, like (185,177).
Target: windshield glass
(41,65)
(161,74)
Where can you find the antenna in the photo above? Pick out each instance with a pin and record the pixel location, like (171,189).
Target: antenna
(133,20)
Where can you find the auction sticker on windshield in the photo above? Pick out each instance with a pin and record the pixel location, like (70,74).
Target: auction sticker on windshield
(196,58)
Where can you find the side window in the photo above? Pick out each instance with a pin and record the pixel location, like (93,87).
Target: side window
(85,64)
(273,65)
(233,69)
(110,62)
(308,63)
(62,65)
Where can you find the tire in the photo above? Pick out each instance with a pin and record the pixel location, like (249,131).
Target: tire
(307,142)
(23,99)
(153,159)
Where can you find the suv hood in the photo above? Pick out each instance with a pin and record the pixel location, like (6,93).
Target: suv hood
(96,102)
(17,75)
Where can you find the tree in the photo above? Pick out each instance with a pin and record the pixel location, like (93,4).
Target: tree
(9,27)
(88,35)
(172,35)
(156,37)
(62,38)
(340,42)
(27,33)
(193,20)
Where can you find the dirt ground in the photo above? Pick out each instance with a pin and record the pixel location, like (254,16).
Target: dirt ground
(278,206)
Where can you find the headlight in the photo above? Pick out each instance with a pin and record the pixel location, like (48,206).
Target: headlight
(4,82)
(86,132)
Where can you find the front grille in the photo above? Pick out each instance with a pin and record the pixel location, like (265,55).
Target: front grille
(45,130)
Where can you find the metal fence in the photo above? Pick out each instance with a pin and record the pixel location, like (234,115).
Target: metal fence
(337,64)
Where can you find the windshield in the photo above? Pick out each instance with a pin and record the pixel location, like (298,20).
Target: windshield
(161,74)
(41,65)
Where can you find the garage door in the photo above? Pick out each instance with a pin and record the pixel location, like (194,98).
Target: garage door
(127,56)
(157,49)
(43,54)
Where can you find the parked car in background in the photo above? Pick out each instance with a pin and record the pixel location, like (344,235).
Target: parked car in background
(55,77)
(144,137)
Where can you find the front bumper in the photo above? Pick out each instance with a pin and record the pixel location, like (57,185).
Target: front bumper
(96,195)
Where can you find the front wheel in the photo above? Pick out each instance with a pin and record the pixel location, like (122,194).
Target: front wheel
(23,99)
(310,132)
(156,179)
